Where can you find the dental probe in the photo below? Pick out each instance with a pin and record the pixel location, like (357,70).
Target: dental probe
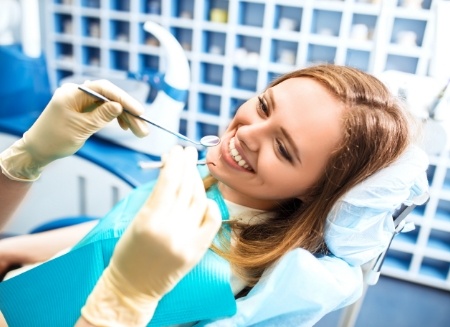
(206,141)
(160,164)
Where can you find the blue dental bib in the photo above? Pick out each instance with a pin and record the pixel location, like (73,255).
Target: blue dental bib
(53,293)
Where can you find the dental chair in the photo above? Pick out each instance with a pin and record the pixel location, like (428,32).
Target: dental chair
(332,282)
(372,269)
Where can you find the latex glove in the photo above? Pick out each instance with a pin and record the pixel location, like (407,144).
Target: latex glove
(69,119)
(167,238)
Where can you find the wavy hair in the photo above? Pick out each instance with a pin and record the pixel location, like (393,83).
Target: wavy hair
(377,129)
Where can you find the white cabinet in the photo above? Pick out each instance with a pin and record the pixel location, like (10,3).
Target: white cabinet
(236,47)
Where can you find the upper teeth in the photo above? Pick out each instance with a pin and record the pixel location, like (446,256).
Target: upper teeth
(236,156)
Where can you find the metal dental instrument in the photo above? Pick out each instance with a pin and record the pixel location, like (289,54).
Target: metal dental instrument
(206,141)
(160,164)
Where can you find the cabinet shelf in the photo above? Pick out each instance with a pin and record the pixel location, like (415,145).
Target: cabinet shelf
(435,269)
(415,14)
(440,241)
(366,8)
(332,5)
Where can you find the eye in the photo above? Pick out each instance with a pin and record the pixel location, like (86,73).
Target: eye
(283,151)
(262,106)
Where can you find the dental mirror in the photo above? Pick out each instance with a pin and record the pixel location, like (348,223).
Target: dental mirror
(206,141)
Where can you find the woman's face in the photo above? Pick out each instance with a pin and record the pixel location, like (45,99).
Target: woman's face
(277,145)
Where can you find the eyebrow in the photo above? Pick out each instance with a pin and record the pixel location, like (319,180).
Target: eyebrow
(286,135)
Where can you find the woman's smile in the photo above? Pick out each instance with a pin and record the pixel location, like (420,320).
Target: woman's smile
(237,156)
(231,155)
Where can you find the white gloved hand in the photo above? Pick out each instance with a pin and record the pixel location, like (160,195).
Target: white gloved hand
(69,119)
(167,238)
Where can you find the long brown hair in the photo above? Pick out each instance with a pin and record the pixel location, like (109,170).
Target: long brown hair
(377,129)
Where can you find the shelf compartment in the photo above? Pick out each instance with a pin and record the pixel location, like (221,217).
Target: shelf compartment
(284,52)
(182,128)
(147,38)
(408,32)
(419,211)
(443,211)
(358,58)
(152,7)
(211,74)
(402,63)
(321,53)
(148,62)
(431,170)
(288,18)
(91,56)
(434,268)
(183,9)
(410,237)
(439,240)
(184,37)
(90,27)
(120,5)
(245,79)
(249,43)
(209,103)
(63,23)
(90,3)
(406,4)
(363,27)
(119,60)
(326,23)
(235,103)
(64,52)
(446,183)
(204,129)
(61,74)
(214,43)
(247,51)
(398,260)
(119,30)
(251,14)
(216,11)
(63,2)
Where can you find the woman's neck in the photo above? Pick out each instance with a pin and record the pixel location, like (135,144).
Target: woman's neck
(232,195)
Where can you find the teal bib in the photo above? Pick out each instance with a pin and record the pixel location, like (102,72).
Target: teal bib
(53,293)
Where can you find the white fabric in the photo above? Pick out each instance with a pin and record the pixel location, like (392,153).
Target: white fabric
(301,288)
(248,215)
(360,225)
(299,291)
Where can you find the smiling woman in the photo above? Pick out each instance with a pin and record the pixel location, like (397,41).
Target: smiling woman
(287,159)
(307,139)
(292,129)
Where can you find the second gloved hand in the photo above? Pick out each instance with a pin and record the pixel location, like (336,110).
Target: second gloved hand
(169,235)
(69,119)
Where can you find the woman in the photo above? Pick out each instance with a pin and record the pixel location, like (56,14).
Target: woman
(288,157)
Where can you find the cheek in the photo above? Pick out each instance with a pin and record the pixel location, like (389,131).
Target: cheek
(292,183)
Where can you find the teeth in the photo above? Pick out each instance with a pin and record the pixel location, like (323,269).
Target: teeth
(237,157)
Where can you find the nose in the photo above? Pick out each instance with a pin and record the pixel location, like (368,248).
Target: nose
(251,136)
